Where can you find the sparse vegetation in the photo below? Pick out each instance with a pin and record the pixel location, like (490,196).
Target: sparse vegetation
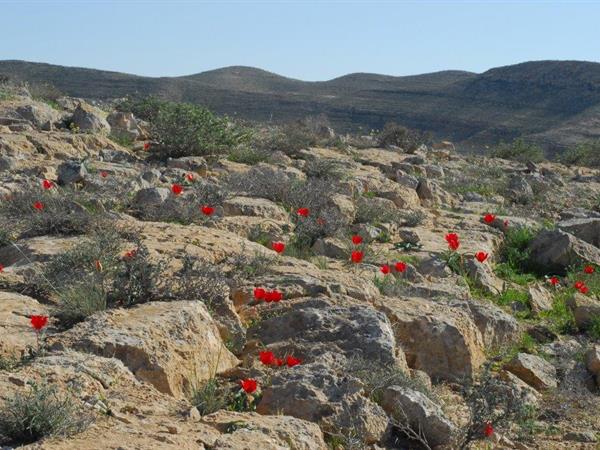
(519,150)
(40,412)
(406,139)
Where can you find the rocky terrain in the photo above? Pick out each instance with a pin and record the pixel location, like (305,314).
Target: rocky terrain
(553,103)
(307,299)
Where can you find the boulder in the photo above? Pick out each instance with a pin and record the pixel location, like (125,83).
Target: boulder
(167,344)
(318,326)
(330,247)
(483,276)
(439,339)
(584,309)
(190,164)
(251,430)
(415,409)
(151,197)
(592,362)
(125,126)
(88,118)
(533,370)
(16,334)
(555,250)
(71,172)
(251,206)
(39,114)
(539,298)
(432,194)
(586,229)
(520,190)
(319,393)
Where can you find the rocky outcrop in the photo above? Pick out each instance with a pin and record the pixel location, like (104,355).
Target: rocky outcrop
(167,344)
(533,370)
(556,250)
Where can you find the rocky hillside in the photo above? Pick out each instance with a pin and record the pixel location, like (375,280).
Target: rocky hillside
(317,298)
(555,103)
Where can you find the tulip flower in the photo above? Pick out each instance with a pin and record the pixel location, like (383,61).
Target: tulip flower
(38,205)
(47,184)
(357,256)
(588,269)
(38,322)
(259,293)
(249,385)
(453,241)
(303,212)
(207,210)
(400,266)
(385,269)
(176,189)
(267,358)
(488,429)
(291,361)
(489,218)
(481,256)
(279,247)
(356,239)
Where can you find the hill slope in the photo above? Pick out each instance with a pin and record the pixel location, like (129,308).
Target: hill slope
(554,102)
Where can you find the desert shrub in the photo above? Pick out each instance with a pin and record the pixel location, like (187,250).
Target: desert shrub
(60,213)
(249,266)
(413,218)
(262,181)
(181,129)
(198,280)
(324,168)
(518,150)
(585,154)
(561,317)
(145,108)
(248,155)
(489,400)
(40,412)
(186,209)
(514,254)
(376,213)
(137,279)
(288,138)
(45,92)
(79,301)
(394,134)
(211,397)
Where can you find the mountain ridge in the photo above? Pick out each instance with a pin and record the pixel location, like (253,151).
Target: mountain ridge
(532,99)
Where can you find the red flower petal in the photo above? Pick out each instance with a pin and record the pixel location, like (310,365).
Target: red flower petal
(38,322)
(249,385)
(176,189)
(279,247)
(356,239)
(357,256)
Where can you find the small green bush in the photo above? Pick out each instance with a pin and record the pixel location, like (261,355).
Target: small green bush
(395,134)
(585,154)
(247,155)
(145,108)
(514,253)
(519,150)
(40,412)
(210,397)
(78,302)
(182,129)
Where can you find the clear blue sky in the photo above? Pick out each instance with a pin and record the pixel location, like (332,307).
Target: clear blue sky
(309,40)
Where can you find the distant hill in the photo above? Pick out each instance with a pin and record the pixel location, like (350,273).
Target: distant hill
(556,103)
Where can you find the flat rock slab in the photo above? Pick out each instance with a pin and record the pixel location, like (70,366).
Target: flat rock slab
(167,344)
(16,334)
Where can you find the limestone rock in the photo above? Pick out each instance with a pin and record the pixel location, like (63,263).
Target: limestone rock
(556,250)
(533,370)
(417,410)
(167,344)
(88,118)
(16,333)
(249,206)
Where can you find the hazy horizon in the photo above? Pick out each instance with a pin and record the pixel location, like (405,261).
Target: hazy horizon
(310,41)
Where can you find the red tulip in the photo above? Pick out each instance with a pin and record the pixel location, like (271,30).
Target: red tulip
(400,266)
(249,385)
(481,256)
(273,296)
(38,205)
(176,189)
(279,247)
(104,174)
(356,239)
(47,184)
(1,268)
(553,281)
(291,361)
(506,223)
(578,284)
(584,289)
(385,269)
(38,322)
(146,146)
(207,210)
(278,362)
(189,176)
(357,256)
(488,430)
(130,254)
(98,266)
(489,218)
(589,269)
(259,293)
(303,212)
(267,358)
(453,241)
